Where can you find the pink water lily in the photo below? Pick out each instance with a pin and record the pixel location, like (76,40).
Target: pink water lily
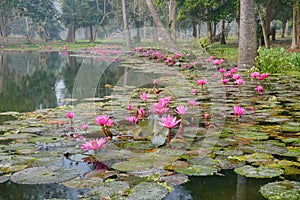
(255,74)
(132,119)
(201,82)
(70,115)
(259,89)
(192,102)
(130,107)
(84,127)
(94,144)
(206,116)
(238,111)
(239,81)
(225,81)
(222,70)
(101,119)
(181,110)
(106,123)
(169,122)
(143,96)
(263,76)
(236,76)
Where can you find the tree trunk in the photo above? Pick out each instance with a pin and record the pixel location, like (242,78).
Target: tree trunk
(71,32)
(195,30)
(294,31)
(155,34)
(3,29)
(166,36)
(91,34)
(283,28)
(172,18)
(268,19)
(247,35)
(298,25)
(222,40)
(209,30)
(264,29)
(198,30)
(126,30)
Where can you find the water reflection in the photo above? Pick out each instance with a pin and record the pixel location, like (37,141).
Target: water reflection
(227,187)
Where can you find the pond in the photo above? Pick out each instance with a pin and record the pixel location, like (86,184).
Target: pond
(38,88)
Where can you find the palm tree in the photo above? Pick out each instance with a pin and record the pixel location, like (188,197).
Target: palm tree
(247,34)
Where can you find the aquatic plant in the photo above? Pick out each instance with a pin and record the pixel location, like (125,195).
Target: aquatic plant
(238,111)
(169,122)
(105,122)
(94,144)
(70,115)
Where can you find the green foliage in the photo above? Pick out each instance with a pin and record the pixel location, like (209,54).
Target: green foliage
(277,60)
(204,43)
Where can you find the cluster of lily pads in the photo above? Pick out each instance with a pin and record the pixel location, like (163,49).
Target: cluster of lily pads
(130,149)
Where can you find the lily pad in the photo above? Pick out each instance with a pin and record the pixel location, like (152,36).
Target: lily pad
(157,159)
(250,135)
(111,189)
(258,172)
(198,170)
(147,190)
(83,183)
(281,190)
(44,175)
(4,179)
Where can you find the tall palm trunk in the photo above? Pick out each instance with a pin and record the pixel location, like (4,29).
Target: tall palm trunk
(247,34)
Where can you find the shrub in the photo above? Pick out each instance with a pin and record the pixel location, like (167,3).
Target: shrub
(276,60)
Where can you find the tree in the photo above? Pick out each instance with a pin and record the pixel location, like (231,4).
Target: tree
(166,36)
(43,15)
(247,35)
(6,13)
(126,30)
(207,11)
(296,23)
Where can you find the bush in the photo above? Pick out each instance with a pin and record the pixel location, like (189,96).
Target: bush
(276,60)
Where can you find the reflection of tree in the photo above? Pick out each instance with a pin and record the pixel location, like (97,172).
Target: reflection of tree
(32,92)
(69,72)
(28,80)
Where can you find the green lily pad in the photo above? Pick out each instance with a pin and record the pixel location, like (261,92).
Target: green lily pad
(253,135)
(281,190)
(4,179)
(263,147)
(226,162)
(83,183)
(255,158)
(290,128)
(147,190)
(198,170)
(44,175)
(258,172)
(292,152)
(109,190)
(157,159)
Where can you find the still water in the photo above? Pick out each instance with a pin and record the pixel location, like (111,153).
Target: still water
(33,80)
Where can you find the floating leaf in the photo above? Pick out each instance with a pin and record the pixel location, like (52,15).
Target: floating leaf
(111,189)
(147,190)
(43,175)
(83,183)
(281,190)
(198,170)
(4,178)
(258,172)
